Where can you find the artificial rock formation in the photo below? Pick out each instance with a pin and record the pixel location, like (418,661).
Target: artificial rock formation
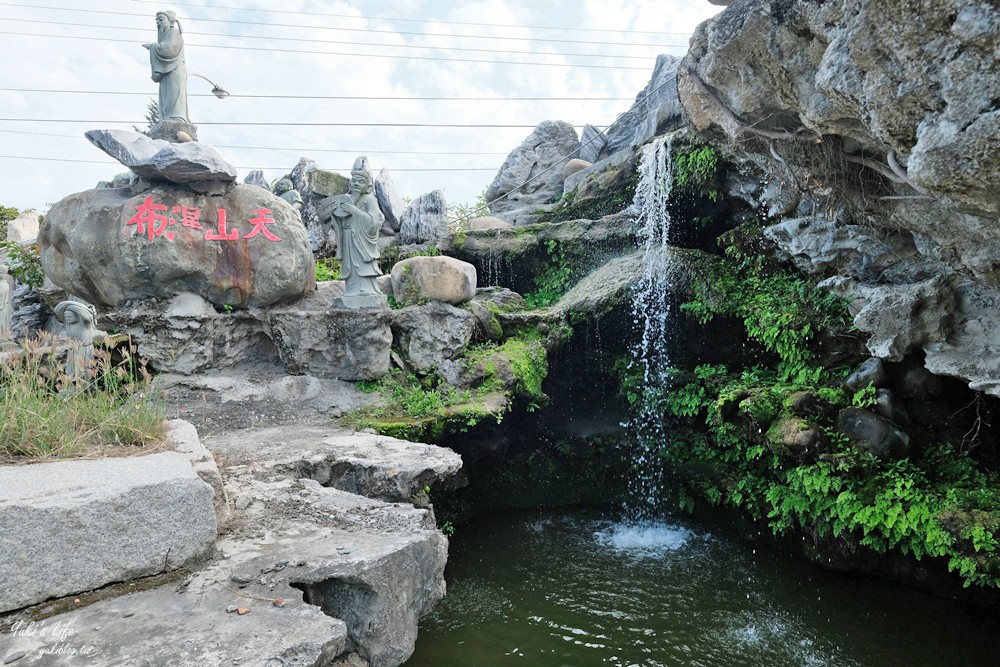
(885,118)
(425,220)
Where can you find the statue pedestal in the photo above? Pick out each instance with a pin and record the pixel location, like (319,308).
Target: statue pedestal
(168,129)
(361,302)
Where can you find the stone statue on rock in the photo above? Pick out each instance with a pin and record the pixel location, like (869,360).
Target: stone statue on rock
(79,318)
(356,220)
(6,305)
(166,59)
(284,189)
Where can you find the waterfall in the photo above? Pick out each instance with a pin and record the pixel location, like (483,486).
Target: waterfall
(651,315)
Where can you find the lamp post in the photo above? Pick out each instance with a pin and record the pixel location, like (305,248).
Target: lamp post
(217,90)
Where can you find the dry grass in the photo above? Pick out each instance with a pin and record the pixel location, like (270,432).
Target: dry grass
(103,408)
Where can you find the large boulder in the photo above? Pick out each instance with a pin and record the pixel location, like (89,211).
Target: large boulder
(439,278)
(425,220)
(244,249)
(532,175)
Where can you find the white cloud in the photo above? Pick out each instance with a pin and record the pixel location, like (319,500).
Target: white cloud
(63,62)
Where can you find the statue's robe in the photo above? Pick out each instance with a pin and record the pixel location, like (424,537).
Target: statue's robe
(166,58)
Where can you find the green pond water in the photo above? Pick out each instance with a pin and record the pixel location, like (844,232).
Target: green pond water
(578,588)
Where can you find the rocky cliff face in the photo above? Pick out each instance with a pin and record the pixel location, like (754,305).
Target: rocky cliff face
(881,122)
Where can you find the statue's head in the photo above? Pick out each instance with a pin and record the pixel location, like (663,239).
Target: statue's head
(3,269)
(282,186)
(79,319)
(361,177)
(165,19)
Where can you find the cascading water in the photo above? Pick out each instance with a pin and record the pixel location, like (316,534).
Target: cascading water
(651,314)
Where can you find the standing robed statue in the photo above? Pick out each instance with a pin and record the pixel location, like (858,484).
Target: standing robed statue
(166,58)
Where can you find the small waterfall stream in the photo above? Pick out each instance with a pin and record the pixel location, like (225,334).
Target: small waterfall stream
(651,315)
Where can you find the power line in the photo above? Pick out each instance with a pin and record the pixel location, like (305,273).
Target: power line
(331,53)
(335,97)
(411,169)
(289,124)
(354,151)
(387,18)
(339,41)
(322,27)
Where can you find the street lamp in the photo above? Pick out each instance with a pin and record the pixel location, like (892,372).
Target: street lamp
(217,90)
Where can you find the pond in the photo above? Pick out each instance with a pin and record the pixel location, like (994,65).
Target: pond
(578,588)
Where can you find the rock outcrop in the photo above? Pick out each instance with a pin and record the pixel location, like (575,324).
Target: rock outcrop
(532,175)
(886,119)
(425,220)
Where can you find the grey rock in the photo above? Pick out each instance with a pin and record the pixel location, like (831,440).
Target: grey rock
(873,434)
(431,333)
(24,227)
(488,222)
(332,344)
(438,278)
(797,439)
(501,297)
(327,183)
(389,200)
(175,131)
(592,141)
(300,175)
(869,372)
(182,437)
(156,159)
(74,507)
(574,166)
(425,220)
(488,326)
(532,174)
(162,260)
(371,465)
(888,405)
(256,177)
(656,109)
(919,384)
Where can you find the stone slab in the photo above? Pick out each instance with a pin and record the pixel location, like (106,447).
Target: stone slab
(132,517)
(349,574)
(376,466)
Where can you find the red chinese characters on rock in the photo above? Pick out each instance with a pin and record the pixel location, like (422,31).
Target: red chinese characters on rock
(151,220)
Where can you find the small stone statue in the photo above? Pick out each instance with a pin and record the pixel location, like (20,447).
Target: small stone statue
(357,220)
(6,306)
(166,58)
(79,321)
(284,189)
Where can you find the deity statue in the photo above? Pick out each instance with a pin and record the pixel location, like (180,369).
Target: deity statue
(5,304)
(166,58)
(79,320)
(284,189)
(357,220)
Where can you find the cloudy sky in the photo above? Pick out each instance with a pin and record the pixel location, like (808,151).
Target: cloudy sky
(325,79)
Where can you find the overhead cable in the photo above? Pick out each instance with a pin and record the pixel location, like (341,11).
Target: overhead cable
(347,42)
(323,27)
(330,53)
(387,18)
(421,169)
(335,97)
